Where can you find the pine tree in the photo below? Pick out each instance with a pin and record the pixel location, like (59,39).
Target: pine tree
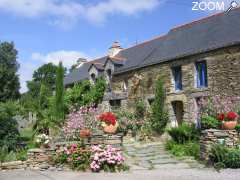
(159,118)
(59,95)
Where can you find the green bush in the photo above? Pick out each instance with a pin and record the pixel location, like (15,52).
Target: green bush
(8,132)
(218,153)
(159,117)
(187,149)
(232,159)
(184,133)
(208,122)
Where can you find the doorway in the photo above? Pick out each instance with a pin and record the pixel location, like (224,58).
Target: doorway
(178,111)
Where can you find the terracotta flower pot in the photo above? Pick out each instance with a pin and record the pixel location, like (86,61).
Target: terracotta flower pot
(110,129)
(229,125)
(85,133)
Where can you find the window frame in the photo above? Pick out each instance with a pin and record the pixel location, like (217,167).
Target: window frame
(177,81)
(203,81)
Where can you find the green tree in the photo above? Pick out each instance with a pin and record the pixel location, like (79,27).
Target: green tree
(59,95)
(9,80)
(159,117)
(45,74)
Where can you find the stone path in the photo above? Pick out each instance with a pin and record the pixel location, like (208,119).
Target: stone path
(154,156)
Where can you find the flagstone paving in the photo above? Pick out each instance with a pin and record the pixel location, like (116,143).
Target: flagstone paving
(154,156)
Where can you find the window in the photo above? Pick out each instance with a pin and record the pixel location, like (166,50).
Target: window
(177,76)
(93,78)
(201,69)
(115,103)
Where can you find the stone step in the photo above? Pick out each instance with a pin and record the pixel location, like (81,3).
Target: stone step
(172,166)
(164,161)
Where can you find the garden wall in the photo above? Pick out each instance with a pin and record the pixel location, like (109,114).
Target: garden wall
(214,136)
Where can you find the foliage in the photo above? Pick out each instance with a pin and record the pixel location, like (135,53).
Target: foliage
(159,117)
(84,93)
(223,157)
(232,159)
(9,80)
(106,158)
(238,128)
(208,122)
(186,149)
(218,153)
(77,157)
(45,74)
(184,133)
(140,109)
(59,97)
(8,132)
(125,121)
(6,156)
(145,133)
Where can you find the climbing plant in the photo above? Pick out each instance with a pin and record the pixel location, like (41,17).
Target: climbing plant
(159,117)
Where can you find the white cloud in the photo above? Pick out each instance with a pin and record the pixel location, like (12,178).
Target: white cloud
(67,57)
(65,13)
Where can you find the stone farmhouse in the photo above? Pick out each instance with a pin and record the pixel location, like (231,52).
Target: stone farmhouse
(194,60)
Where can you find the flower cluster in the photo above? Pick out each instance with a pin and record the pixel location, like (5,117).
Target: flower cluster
(43,139)
(84,118)
(109,118)
(106,157)
(75,156)
(230,116)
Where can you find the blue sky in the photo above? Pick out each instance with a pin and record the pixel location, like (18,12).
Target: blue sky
(52,30)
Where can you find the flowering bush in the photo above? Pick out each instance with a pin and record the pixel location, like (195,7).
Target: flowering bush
(76,157)
(108,118)
(97,158)
(84,118)
(43,139)
(106,158)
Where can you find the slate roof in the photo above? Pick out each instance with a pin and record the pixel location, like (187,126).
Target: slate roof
(210,33)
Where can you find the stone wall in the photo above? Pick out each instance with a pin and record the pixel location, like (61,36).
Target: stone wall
(223,78)
(213,136)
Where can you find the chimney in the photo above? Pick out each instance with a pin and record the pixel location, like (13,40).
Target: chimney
(114,49)
(81,61)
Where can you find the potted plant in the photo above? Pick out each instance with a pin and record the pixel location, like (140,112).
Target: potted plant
(43,140)
(85,133)
(229,120)
(108,122)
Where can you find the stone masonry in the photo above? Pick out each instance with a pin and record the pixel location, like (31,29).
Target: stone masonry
(209,137)
(223,78)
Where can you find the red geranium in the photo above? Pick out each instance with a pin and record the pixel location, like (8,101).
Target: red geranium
(109,118)
(232,115)
(221,116)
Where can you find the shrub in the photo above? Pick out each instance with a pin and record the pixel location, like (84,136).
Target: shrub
(106,158)
(184,133)
(187,149)
(232,159)
(159,117)
(75,156)
(140,109)
(208,122)
(8,132)
(218,153)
